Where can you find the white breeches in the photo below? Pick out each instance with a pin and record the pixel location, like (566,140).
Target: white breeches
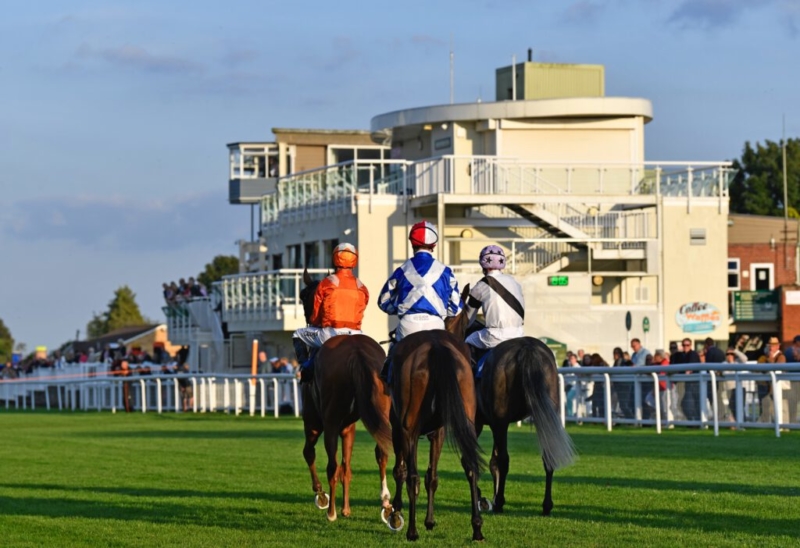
(316,336)
(411,323)
(489,337)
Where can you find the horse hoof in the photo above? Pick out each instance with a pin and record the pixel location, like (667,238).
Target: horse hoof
(321,501)
(396,521)
(430,526)
(385,513)
(485,505)
(412,536)
(330,517)
(478,537)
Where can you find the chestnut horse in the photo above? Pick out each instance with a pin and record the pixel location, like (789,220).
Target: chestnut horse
(519,380)
(432,390)
(345,387)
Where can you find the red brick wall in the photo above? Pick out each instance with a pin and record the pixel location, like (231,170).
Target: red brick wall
(790,315)
(763,253)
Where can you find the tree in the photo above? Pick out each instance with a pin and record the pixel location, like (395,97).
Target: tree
(757,188)
(97,326)
(221,265)
(122,312)
(6,343)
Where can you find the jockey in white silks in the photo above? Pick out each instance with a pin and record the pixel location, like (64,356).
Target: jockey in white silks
(500,297)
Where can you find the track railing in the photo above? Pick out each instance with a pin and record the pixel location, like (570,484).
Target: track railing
(209,392)
(702,383)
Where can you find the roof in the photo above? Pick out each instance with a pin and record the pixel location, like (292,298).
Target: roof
(277,130)
(569,107)
(127,334)
(760,229)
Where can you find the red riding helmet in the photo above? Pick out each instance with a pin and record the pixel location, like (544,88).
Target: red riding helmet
(345,256)
(423,234)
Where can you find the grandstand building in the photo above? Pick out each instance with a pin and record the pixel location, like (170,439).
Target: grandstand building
(607,244)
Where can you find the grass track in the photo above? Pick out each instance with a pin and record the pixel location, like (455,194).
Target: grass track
(97,479)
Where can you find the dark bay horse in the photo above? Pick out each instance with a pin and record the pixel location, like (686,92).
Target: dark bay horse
(432,390)
(346,386)
(520,380)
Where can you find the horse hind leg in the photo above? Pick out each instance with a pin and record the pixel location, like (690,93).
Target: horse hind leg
(399,472)
(334,471)
(382,458)
(310,454)
(547,504)
(432,476)
(348,438)
(501,463)
(412,486)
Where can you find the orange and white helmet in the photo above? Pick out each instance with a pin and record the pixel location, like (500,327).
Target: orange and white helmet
(345,256)
(423,234)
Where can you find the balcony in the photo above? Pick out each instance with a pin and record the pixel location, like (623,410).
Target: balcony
(265,301)
(253,171)
(488,179)
(754,306)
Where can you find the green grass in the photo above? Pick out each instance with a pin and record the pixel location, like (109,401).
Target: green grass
(97,479)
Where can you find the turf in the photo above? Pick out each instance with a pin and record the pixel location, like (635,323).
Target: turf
(97,479)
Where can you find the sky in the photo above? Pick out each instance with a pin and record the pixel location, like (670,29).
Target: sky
(114,116)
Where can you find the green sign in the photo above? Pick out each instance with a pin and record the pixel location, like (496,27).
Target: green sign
(646,324)
(558,280)
(755,306)
(559,349)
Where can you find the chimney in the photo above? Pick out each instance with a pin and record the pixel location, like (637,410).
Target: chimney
(530,55)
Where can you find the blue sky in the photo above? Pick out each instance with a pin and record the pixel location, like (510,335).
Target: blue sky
(114,115)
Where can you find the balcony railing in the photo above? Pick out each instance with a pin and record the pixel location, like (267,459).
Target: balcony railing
(331,190)
(264,296)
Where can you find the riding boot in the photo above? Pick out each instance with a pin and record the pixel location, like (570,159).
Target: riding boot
(301,351)
(386,369)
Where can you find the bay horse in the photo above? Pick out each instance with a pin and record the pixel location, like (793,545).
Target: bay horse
(345,387)
(520,379)
(432,391)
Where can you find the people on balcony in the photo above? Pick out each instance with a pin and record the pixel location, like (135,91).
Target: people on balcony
(422,292)
(500,297)
(339,304)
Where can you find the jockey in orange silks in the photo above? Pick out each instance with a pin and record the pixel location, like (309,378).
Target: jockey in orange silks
(339,304)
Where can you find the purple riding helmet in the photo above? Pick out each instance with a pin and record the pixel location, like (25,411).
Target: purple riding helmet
(493,258)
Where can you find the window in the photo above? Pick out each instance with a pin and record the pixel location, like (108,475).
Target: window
(697,236)
(295,259)
(733,275)
(641,294)
(277,261)
(328,247)
(312,254)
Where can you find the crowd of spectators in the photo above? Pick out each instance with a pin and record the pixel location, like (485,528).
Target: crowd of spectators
(685,397)
(183,291)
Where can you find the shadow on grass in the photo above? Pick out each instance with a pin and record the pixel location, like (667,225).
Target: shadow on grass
(706,521)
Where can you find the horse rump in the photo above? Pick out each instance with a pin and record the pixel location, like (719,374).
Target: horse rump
(368,387)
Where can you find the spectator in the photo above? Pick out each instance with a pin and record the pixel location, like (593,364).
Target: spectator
(793,394)
(185,386)
(598,397)
(732,356)
(639,353)
(690,404)
(773,355)
(623,390)
(572,389)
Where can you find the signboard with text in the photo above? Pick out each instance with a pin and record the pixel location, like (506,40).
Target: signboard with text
(698,317)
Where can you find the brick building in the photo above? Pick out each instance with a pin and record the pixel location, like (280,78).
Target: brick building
(763,276)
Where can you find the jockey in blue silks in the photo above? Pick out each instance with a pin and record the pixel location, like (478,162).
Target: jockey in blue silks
(422,292)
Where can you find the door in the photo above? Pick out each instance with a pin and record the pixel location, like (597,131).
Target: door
(762,277)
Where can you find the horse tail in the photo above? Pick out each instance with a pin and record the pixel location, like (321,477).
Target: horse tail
(364,377)
(461,435)
(535,361)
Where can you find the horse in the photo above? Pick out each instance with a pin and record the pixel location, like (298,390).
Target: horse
(520,379)
(432,389)
(345,387)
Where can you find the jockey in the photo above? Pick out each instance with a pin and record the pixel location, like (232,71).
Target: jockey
(500,297)
(339,304)
(422,292)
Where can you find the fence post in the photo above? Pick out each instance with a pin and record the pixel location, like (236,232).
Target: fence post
(194,394)
(607,390)
(263,398)
(714,408)
(657,401)
(777,403)
(703,400)
(144,395)
(562,404)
